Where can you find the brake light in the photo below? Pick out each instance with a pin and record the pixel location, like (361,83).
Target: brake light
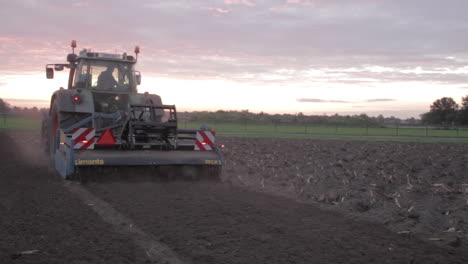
(76,99)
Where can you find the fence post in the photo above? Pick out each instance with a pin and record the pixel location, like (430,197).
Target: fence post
(305,130)
(397,127)
(427,131)
(336,129)
(245,124)
(367,129)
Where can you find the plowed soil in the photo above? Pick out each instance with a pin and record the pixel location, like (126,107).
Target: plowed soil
(210,222)
(38,214)
(415,189)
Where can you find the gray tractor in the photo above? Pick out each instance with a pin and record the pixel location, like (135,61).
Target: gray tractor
(101,121)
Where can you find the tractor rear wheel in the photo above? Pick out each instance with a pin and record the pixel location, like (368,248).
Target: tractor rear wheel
(45,135)
(53,125)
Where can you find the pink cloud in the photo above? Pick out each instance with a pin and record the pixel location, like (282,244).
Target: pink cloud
(218,10)
(240,2)
(301,2)
(81,4)
(288,3)
(11,39)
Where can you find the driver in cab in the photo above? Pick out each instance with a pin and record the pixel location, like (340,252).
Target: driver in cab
(106,80)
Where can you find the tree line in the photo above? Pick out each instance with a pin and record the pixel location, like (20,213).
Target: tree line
(445,111)
(7,109)
(245,116)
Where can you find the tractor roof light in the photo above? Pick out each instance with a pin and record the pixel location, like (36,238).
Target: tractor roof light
(137,50)
(73,45)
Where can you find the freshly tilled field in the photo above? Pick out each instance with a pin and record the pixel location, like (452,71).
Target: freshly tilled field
(415,189)
(349,208)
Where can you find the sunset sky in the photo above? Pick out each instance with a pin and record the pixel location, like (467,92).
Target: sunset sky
(390,57)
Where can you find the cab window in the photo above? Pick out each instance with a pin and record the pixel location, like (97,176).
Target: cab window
(104,75)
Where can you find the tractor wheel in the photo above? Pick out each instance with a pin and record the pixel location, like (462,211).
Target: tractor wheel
(45,135)
(53,125)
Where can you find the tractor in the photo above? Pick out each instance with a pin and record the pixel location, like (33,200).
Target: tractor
(101,121)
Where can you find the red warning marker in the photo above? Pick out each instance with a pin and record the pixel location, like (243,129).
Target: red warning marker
(83,138)
(106,139)
(204,140)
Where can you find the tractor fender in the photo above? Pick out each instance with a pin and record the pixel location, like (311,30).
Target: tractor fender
(147,98)
(154,99)
(63,99)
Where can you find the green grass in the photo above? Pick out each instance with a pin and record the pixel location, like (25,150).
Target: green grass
(20,123)
(347,138)
(330,130)
(295,131)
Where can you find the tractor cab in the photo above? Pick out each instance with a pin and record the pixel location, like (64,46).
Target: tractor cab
(100,72)
(105,72)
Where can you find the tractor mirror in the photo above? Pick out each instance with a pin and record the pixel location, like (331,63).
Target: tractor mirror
(138,77)
(50,73)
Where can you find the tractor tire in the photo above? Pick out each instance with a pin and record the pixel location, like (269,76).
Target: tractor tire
(45,135)
(52,125)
